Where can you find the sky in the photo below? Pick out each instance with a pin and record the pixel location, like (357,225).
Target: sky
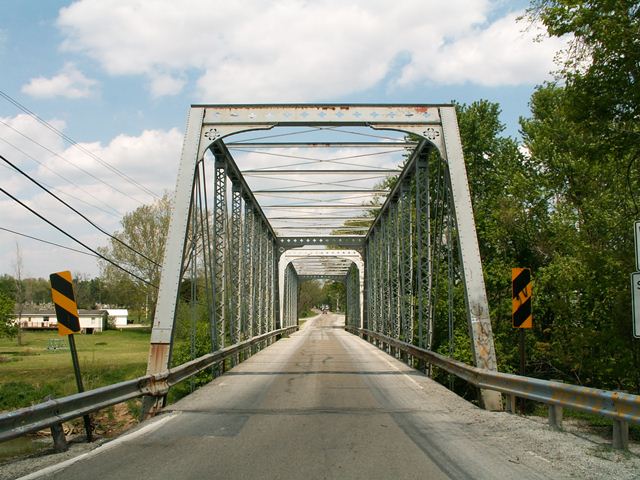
(112,81)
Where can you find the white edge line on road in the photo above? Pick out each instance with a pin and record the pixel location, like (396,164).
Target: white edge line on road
(102,448)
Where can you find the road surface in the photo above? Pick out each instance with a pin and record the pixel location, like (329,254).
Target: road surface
(321,404)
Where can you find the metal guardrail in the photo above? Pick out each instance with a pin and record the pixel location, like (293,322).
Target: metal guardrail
(619,406)
(31,419)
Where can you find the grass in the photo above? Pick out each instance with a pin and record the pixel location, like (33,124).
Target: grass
(30,372)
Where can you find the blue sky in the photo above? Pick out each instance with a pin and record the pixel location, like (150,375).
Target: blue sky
(118,77)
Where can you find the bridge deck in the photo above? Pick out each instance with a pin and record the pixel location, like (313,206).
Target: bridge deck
(320,404)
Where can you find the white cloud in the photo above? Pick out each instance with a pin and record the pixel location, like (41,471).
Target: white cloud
(162,85)
(504,53)
(297,50)
(151,158)
(68,83)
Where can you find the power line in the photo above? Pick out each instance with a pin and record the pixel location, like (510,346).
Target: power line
(117,214)
(75,144)
(75,239)
(69,162)
(16,168)
(46,241)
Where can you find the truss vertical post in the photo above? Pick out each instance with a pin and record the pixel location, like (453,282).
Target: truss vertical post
(406,263)
(235,263)
(249,268)
(218,330)
(395,269)
(475,293)
(423,247)
(246,271)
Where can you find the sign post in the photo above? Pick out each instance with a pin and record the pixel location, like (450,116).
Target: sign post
(521,317)
(635,283)
(635,303)
(68,324)
(636,237)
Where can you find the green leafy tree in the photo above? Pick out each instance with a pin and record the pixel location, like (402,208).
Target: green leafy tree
(145,230)
(310,295)
(7,327)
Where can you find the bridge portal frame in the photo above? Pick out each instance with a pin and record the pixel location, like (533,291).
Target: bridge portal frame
(436,124)
(289,256)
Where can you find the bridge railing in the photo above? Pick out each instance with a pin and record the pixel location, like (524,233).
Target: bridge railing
(621,407)
(52,412)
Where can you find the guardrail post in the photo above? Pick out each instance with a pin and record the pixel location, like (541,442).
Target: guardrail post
(555,416)
(620,435)
(57,434)
(59,440)
(510,401)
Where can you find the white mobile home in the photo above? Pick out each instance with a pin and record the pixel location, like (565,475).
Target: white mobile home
(35,319)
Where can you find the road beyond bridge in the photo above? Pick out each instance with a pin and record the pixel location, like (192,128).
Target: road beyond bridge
(323,404)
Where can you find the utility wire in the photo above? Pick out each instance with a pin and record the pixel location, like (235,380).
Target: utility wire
(69,162)
(76,240)
(299,157)
(340,130)
(16,168)
(75,144)
(280,135)
(46,241)
(117,214)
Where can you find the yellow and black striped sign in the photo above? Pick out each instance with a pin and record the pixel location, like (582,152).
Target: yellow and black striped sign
(521,298)
(64,300)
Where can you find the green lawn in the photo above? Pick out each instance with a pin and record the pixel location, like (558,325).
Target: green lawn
(30,372)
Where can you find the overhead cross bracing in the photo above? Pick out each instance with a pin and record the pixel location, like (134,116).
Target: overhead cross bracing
(259,181)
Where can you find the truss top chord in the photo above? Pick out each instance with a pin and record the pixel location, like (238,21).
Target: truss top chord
(321,114)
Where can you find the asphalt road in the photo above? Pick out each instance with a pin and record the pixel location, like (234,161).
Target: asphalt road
(321,404)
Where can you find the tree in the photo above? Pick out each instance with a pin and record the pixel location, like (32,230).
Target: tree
(600,72)
(583,139)
(20,291)
(601,66)
(145,231)
(7,326)
(584,297)
(335,295)
(309,296)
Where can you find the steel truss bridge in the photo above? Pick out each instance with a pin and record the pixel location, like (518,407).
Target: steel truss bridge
(222,235)
(373,196)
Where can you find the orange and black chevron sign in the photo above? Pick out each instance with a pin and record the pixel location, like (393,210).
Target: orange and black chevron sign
(521,298)
(64,300)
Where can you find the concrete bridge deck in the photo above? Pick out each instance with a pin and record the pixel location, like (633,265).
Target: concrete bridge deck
(321,404)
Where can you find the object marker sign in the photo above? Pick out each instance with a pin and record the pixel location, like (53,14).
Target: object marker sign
(64,300)
(521,298)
